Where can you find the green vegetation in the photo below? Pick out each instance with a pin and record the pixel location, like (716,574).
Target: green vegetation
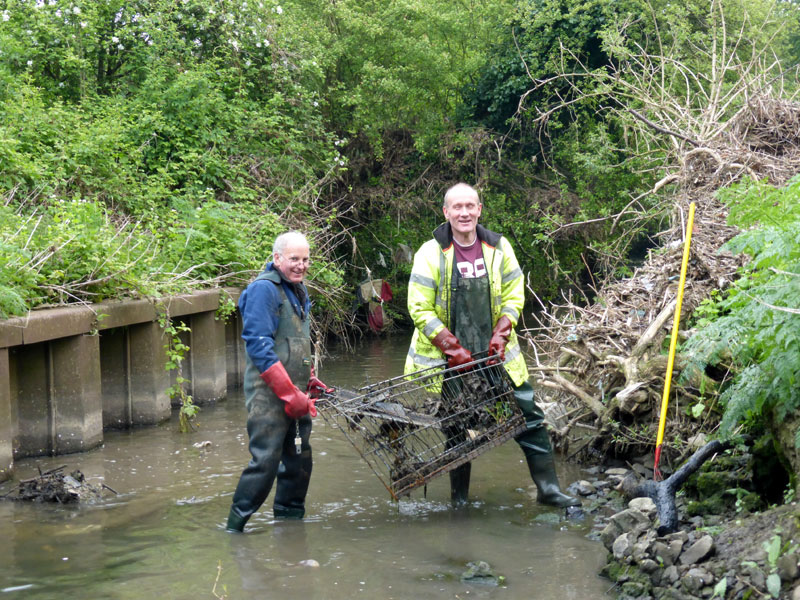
(175,350)
(65,250)
(150,147)
(153,146)
(752,330)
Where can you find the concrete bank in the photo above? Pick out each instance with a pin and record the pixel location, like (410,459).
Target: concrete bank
(69,373)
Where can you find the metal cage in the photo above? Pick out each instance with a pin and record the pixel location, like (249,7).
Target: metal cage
(411,429)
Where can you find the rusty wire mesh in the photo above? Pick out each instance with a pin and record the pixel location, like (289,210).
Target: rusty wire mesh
(411,429)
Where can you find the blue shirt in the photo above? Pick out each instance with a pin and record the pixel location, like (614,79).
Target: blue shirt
(259,306)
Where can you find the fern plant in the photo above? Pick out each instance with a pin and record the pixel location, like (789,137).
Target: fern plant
(753,329)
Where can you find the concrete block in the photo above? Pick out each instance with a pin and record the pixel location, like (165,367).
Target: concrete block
(115,378)
(76,397)
(120,314)
(30,401)
(11,332)
(134,380)
(234,351)
(148,381)
(233,293)
(187,304)
(53,323)
(207,357)
(13,386)
(6,448)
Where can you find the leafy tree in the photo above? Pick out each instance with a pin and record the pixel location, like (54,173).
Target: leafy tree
(532,47)
(399,64)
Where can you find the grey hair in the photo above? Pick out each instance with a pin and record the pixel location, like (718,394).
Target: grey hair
(461,188)
(284,239)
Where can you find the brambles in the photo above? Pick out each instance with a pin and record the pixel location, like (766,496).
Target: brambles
(134,160)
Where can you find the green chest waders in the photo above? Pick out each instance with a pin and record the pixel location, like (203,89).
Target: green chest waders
(279,445)
(471,321)
(472,325)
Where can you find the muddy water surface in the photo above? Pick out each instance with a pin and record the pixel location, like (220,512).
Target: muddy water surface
(163,535)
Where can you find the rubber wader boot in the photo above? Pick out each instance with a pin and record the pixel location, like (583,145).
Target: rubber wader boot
(267,427)
(236,522)
(535,444)
(543,473)
(459,483)
(294,472)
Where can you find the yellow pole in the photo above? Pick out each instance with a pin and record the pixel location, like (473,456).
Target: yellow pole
(673,342)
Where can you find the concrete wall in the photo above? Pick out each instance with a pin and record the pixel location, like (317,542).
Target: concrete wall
(30,408)
(207,357)
(133,379)
(234,351)
(6,435)
(76,405)
(68,373)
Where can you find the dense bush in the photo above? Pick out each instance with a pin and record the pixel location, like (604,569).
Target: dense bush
(184,131)
(151,146)
(68,250)
(752,330)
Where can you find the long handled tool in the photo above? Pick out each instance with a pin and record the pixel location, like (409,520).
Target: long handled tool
(673,342)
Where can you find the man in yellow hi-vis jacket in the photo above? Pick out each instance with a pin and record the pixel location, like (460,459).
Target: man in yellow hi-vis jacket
(465,294)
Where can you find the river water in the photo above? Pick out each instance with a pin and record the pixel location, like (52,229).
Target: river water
(163,536)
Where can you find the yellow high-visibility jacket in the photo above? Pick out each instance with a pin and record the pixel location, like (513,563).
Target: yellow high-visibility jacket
(429,297)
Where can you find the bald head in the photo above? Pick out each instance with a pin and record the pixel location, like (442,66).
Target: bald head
(461,190)
(462,209)
(290,255)
(287,238)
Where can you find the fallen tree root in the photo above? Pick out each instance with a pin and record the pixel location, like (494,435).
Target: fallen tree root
(662,493)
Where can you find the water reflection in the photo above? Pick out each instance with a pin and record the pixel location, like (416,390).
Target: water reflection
(163,535)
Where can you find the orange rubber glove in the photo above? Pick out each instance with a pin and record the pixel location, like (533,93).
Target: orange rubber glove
(297,404)
(456,354)
(500,335)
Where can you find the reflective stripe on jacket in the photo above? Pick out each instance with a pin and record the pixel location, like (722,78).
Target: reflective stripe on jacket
(429,296)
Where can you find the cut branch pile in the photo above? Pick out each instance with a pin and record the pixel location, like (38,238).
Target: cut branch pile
(604,365)
(761,141)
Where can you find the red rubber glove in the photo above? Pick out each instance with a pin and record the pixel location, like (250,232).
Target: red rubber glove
(297,404)
(456,354)
(316,388)
(500,335)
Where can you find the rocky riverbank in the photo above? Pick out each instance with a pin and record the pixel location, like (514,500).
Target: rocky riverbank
(734,553)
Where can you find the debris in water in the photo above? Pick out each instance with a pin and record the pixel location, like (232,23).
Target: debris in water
(480,572)
(309,562)
(412,428)
(662,493)
(55,486)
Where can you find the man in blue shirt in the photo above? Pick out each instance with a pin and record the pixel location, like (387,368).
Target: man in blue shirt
(275,328)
